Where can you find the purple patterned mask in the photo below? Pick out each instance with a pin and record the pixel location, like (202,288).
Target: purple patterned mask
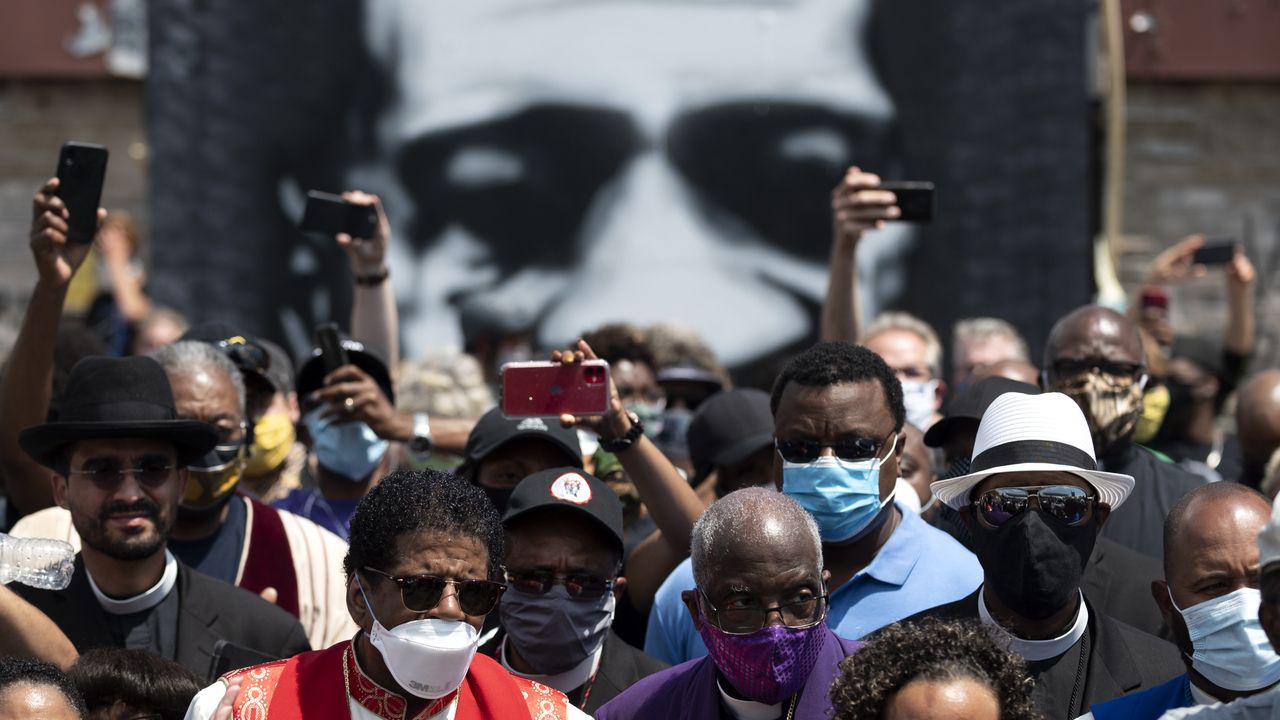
(768,665)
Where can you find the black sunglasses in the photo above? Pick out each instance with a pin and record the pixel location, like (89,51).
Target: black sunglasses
(421,593)
(1068,367)
(580,586)
(108,475)
(1068,503)
(806,451)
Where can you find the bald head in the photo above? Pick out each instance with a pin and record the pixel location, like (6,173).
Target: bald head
(1258,422)
(1093,332)
(1221,517)
(753,524)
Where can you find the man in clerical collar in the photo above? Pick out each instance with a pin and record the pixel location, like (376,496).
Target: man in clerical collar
(1034,502)
(760,605)
(564,556)
(1210,599)
(424,569)
(119,456)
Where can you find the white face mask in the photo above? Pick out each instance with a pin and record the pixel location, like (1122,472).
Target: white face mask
(918,396)
(1231,648)
(428,658)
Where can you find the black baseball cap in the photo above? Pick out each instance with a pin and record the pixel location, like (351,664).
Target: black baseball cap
(250,355)
(572,489)
(728,427)
(493,430)
(965,409)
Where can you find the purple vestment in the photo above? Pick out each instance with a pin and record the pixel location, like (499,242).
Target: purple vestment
(688,690)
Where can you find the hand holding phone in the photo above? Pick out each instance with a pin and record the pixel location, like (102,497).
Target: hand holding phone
(82,169)
(915,199)
(1215,251)
(542,388)
(333,215)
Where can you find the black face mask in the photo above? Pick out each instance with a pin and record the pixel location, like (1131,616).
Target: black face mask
(498,496)
(1034,562)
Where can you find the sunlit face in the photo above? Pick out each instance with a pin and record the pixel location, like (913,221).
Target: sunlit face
(634,154)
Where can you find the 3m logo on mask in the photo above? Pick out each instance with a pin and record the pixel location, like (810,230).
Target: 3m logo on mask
(532,423)
(571,487)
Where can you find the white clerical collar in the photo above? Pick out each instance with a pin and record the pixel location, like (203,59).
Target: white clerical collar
(567,681)
(1200,697)
(1033,650)
(144,600)
(748,709)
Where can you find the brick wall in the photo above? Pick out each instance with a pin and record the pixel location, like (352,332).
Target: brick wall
(1205,157)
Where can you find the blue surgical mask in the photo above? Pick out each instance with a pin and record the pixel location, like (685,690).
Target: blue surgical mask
(1230,647)
(843,496)
(351,450)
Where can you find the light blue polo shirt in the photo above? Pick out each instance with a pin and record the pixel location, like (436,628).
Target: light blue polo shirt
(918,568)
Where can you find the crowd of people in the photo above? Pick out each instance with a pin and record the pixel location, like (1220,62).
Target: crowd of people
(1088,534)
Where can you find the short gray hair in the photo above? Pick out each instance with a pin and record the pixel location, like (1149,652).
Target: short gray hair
(729,517)
(910,323)
(980,329)
(191,356)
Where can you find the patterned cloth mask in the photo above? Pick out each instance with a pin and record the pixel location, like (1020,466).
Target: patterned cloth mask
(768,665)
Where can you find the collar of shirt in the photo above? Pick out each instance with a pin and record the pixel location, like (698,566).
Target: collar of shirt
(567,681)
(1200,697)
(748,709)
(144,600)
(1034,650)
(900,553)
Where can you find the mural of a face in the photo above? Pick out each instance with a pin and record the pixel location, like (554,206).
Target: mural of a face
(646,160)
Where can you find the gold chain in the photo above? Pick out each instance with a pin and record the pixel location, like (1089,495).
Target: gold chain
(791,711)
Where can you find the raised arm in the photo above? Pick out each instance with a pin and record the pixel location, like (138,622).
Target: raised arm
(857,205)
(1241,318)
(27,632)
(374,318)
(28,379)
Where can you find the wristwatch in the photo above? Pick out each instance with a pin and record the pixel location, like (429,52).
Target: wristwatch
(619,444)
(420,444)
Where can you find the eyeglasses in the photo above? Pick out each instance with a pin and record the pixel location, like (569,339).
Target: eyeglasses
(580,586)
(1069,367)
(806,451)
(421,593)
(1068,503)
(150,474)
(749,618)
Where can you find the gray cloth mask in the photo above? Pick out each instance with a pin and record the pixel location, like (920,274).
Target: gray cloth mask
(554,632)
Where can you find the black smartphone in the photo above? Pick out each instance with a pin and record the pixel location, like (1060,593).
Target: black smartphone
(332,354)
(1216,251)
(82,168)
(330,214)
(915,199)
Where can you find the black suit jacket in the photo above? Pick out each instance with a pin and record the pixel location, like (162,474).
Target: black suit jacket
(1122,659)
(209,611)
(1117,582)
(621,665)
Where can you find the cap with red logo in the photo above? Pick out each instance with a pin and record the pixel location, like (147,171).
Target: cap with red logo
(567,488)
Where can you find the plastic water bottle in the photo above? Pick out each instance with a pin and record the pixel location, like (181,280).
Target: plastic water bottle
(38,562)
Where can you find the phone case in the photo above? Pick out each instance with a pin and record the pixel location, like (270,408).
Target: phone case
(547,388)
(330,214)
(915,199)
(82,169)
(332,354)
(1216,254)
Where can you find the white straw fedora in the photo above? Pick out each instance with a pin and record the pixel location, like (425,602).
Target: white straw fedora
(1029,433)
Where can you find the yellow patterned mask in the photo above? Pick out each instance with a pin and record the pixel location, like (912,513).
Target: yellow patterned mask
(214,477)
(273,438)
(1155,403)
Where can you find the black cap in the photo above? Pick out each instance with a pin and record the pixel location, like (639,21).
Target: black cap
(965,410)
(250,356)
(571,489)
(280,371)
(728,428)
(110,398)
(493,430)
(311,372)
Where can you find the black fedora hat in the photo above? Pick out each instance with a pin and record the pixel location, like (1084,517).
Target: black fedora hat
(118,398)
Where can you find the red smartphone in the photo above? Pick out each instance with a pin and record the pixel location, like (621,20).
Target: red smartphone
(552,388)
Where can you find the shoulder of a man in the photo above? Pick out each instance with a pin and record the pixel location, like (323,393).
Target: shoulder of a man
(669,626)
(242,617)
(654,696)
(322,583)
(942,553)
(1262,705)
(624,663)
(1157,660)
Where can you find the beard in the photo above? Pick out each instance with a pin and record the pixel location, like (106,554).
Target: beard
(126,543)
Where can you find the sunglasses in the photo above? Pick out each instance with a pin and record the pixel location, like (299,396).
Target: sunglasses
(580,586)
(1070,504)
(807,451)
(422,593)
(108,475)
(1068,368)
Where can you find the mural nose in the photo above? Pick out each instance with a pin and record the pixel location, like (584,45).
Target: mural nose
(651,254)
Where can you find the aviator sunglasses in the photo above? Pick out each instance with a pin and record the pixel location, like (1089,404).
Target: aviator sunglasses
(1070,504)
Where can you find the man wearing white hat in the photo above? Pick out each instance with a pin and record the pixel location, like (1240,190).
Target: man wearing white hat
(1034,502)
(1265,705)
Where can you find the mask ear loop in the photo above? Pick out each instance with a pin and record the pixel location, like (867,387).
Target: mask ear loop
(1142,381)
(367,605)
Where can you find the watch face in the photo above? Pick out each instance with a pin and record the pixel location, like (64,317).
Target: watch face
(420,444)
